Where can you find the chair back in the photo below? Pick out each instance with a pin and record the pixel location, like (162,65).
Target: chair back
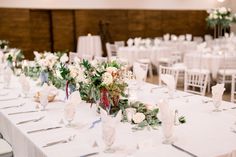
(111,50)
(119,44)
(163,70)
(196,82)
(140,71)
(233,89)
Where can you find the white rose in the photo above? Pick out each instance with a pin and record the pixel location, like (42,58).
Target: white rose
(138,118)
(111,70)
(222,10)
(150,107)
(58,74)
(107,78)
(64,58)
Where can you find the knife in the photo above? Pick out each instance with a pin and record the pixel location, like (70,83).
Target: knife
(41,130)
(7,107)
(183,150)
(90,154)
(15,113)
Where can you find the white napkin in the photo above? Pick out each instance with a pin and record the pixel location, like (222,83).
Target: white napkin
(75,98)
(169,80)
(156,42)
(217,92)
(7,74)
(137,41)
(130,42)
(173,37)
(188,37)
(166,37)
(167,119)
(25,85)
(147,42)
(181,38)
(107,119)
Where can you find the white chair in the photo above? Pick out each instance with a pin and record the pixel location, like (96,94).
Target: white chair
(170,71)
(233,89)
(198,39)
(149,63)
(87,57)
(100,59)
(111,50)
(224,75)
(208,37)
(5,149)
(119,44)
(72,56)
(140,71)
(196,82)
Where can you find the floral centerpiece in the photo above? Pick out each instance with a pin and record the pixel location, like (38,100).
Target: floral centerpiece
(4,44)
(104,82)
(69,74)
(14,57)
(221,18)
(47,63)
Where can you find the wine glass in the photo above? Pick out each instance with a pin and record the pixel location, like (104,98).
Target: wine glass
(25,91)
(43,99)
(69,114)
(168,133)
(217,104)
(6,80)
(108,136)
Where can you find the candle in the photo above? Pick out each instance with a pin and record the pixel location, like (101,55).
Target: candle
(89,34)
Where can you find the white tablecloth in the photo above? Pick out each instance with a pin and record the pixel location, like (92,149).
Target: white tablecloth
(206,133)
(212,62)
(89,45)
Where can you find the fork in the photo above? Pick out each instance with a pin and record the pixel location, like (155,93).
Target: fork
(69,139)
(22,104)
(32,120)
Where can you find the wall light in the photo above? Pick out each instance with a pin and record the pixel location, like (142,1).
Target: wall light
(221,1)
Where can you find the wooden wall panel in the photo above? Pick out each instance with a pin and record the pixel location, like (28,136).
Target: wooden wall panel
(14,26)
(40,30)
(63,30)
(58,30)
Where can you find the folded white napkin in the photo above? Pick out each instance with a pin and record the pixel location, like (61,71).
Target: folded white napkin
(166,37)
(7,74)
(156,41)
(107,119)
(166,113)
(75,98)
(130,42)
(137,41)
(173,37)
(25,85)
(217,92)
(188,37)
(169,80)
(147,42)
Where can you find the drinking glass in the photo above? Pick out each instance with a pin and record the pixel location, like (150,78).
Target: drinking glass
(108,136)
(168,133)
(43,99)
(69,114)
(217,104)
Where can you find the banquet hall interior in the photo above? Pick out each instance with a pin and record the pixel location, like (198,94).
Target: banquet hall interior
(117,78)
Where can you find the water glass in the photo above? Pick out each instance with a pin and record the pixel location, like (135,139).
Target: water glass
(43,99)
(108,136)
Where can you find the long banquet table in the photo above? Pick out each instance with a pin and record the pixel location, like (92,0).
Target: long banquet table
(206,133)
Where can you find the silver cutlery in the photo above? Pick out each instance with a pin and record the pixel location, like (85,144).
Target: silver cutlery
(207,101)
(233,130)
(187,95)
(90,154)
(151,90)
(15,106)
(69,139)
(8,99)
(31,120)
(41,130)
(15,113)
(232,108)
(183,150)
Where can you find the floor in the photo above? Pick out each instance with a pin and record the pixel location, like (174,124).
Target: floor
(226,96)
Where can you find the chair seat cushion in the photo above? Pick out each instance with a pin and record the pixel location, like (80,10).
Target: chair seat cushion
(6,150)
(227,71)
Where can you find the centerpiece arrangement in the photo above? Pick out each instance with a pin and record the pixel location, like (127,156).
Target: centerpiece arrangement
(220,19)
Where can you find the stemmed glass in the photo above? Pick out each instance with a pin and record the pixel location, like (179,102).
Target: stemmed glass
(6,79)
(25,91)
(108,136)
(69,114)
(217,104)
(167,129)
(43,99)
